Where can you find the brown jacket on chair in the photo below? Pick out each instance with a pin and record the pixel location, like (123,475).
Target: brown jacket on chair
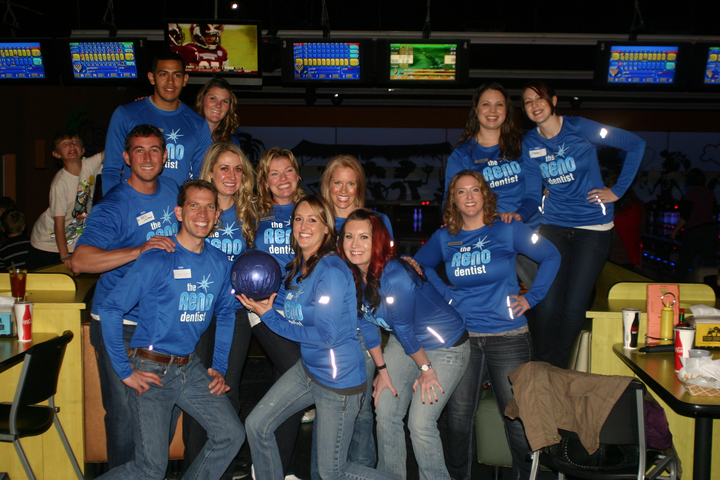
(548,398)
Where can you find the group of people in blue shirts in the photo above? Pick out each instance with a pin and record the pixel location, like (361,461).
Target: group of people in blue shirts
(531,206)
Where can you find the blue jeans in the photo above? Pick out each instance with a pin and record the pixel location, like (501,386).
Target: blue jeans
(362,446)
(118,420)
(187,387)
(559,317)
(497,357)
(334,420)
(449,365)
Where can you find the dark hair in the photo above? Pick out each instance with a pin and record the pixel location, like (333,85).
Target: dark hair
(545,91)
(143,131)
(196,183)
(325,214)
(383,250)
(7,203)
(12,221)
(167,55)
(230,122)
(695,178)
(452,214)
(65,135)
(510,135)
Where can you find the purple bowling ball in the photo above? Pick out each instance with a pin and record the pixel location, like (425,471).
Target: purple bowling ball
(256,274)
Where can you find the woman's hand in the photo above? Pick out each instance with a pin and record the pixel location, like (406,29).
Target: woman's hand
(259,308)
(415,265)
(520,305)
(382,381)
(429,386)
(602,195)
(508,217)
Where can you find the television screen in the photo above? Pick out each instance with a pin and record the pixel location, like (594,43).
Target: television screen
(22,60)
(642,64)
(215,47)
(103,59)
(712,65)
(423,61)
(326,61)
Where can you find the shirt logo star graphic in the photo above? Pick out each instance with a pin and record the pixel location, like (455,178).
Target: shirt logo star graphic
(167,215)
(174,135)
(561,151)
(481,243)
(229,230)
(205,282)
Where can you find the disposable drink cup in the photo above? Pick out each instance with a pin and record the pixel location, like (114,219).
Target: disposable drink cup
(628,319)
(18,277)
(684,338)
(23,317)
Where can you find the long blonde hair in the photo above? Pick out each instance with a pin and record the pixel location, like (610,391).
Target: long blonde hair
(244,199)
(265,202)
(347,161)
(452,214)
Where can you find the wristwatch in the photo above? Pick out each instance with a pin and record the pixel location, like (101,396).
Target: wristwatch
(426,367)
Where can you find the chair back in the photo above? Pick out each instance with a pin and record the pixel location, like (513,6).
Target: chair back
(41,369)
(620,428)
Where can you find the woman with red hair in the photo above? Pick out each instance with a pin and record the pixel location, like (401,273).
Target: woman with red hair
(427,334)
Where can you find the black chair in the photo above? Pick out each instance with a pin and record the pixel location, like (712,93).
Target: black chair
(623,453)
(38,383)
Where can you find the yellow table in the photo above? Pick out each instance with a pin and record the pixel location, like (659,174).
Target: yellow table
(58,303)
(607,331)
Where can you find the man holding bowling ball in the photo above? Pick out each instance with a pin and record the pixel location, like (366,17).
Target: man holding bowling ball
(177,293)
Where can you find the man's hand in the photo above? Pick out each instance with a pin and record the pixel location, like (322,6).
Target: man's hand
(508,217)
(139,380)
(218,385)
(159,242)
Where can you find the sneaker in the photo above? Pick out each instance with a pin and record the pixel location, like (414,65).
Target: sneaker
(291,476)
(308,417)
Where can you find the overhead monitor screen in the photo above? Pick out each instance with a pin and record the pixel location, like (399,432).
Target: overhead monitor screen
(420,61)
(712,66)
(21,60)
(103,59)
(642,64)
(326,60)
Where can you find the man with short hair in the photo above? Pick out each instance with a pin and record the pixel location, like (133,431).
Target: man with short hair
(135,216)
(176,293)
(187,133)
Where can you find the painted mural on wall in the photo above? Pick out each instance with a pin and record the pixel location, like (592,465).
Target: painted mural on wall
(405,164)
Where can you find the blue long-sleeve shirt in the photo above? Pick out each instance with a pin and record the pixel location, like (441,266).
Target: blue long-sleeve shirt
(127,218)
(177,294)
(480,264)
(568,166)
(273,237)
(321,315)
(412,310)
(228,235)
(187,137)
(505,177)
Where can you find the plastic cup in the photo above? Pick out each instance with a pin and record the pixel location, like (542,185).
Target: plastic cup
(18,279)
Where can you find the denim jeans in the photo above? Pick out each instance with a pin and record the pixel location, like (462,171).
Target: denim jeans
(560,315)
(284,354)
(362,447)
(187,387)
(495,356)
(449,365)
(118,420)
(194,436)
(334,420)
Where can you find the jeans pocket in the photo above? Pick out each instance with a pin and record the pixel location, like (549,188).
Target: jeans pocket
(143,365)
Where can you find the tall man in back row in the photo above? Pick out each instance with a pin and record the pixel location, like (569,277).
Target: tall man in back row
(176,293)
(187,134)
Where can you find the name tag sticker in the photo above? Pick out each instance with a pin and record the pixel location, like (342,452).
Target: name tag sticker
(538,152)
(265,219)
(454,244)
(481,160)
(145,217)
(182,272)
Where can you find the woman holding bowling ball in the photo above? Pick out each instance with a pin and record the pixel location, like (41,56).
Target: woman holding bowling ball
(321,315)
(577,215)
(229,170)
(278,187)
(479,251)
(427,352)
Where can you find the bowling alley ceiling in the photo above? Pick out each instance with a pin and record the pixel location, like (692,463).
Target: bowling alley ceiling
(511,41)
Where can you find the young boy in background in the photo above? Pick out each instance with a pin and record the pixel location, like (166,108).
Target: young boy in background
(16,250)
(55,233)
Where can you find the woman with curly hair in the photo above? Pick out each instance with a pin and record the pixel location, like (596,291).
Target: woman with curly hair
(228,169)
(479,251)
(216,103)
